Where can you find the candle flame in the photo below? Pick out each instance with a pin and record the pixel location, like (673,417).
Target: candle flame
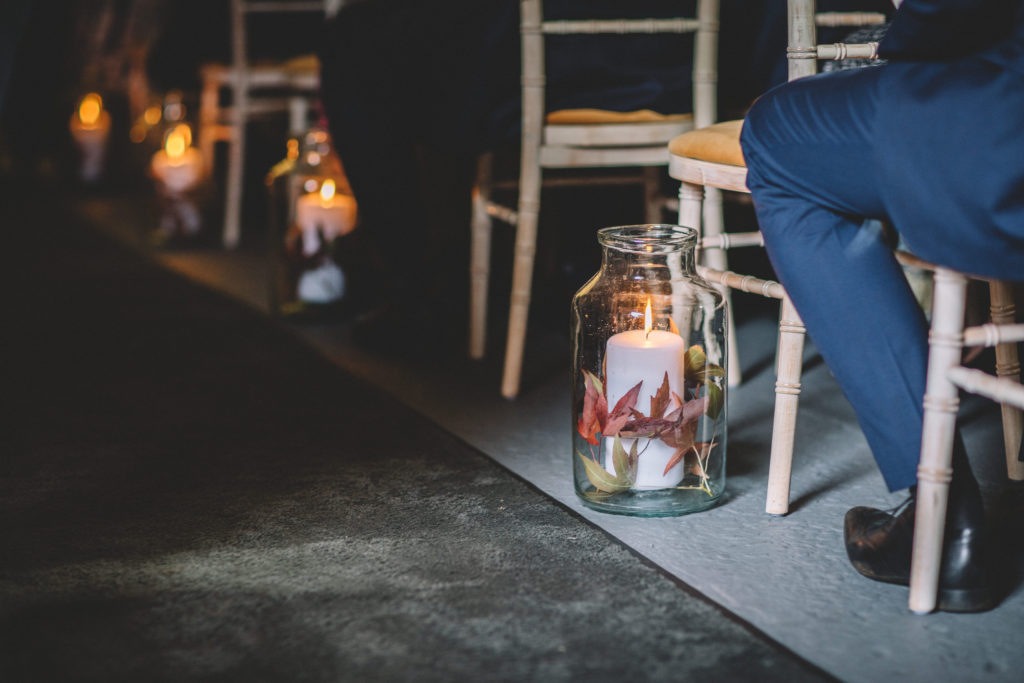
(178,140)
(175,144)
(90,108)
(327,190)
(647,319)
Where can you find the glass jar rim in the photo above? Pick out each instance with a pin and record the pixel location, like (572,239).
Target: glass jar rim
(657,238)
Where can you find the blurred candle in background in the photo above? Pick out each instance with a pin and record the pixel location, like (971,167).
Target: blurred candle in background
(331,213)
(178,166)
(90,128)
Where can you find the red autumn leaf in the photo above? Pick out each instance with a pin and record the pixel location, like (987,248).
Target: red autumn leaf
(615,424)
(682,435)
(674,460)
(625,405)
(692,410)
(689,411)
(595,409)
(587,432)
(660,401)
(696,464)
(646,426)
(701,450)
(622,412)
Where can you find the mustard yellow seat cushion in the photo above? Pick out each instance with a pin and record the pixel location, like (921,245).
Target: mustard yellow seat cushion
(569,117)
(718,144)
(304,63)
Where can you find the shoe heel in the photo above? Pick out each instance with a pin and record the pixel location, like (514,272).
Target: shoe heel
(966,599)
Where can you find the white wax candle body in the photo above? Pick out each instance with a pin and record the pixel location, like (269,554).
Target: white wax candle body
(653,454)
(178,174)
(91,140)
(334,216)
(637,356)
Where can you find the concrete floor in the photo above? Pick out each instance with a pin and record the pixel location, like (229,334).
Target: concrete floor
(787,576)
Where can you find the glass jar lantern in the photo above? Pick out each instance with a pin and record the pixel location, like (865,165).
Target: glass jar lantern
(311,205)
(649,369)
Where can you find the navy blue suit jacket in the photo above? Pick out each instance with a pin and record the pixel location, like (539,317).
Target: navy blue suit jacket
(950,132)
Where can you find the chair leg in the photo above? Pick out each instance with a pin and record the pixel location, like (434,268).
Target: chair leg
(1008,365)
(691,203)
(208,121)
(522,275)
(934,472)
(652,195)
(714,224)
(480,257)
(787,396)
(236,170)
(701,208)
(298,114)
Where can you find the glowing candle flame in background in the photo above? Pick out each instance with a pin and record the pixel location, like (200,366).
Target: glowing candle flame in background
(178,140)
(327,190)
(175,144)
(90,108)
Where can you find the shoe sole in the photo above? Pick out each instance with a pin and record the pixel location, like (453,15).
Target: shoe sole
(966,600)
(960,600)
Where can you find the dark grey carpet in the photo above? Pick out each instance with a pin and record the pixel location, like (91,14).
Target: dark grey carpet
(188,493)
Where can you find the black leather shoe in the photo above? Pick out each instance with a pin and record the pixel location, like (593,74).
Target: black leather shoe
(879,544)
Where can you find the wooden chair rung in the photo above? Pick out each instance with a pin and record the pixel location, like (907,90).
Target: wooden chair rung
(502,213)
(836,19)
(744,283)
(837,51)
(983,384)
(728,240)
(571,26)
(993,335)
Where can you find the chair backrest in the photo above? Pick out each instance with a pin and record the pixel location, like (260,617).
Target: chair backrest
(803,51)
(705,25)
(242,9)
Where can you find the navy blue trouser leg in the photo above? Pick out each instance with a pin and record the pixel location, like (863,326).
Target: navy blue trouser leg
(810,153)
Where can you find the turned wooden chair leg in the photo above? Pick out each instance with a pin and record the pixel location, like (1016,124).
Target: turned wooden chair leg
(209,119)
(522,275)
(691,202)
(701,208)
(480,258)
(714,224)
(787,396)
(298,115)
(941,401)
(1008,366)
(236,167)
(652,195)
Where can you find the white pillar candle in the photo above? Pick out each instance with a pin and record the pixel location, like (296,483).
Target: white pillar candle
(178,166)
(90,128)
(332,213)
(178,174)
(645,356)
